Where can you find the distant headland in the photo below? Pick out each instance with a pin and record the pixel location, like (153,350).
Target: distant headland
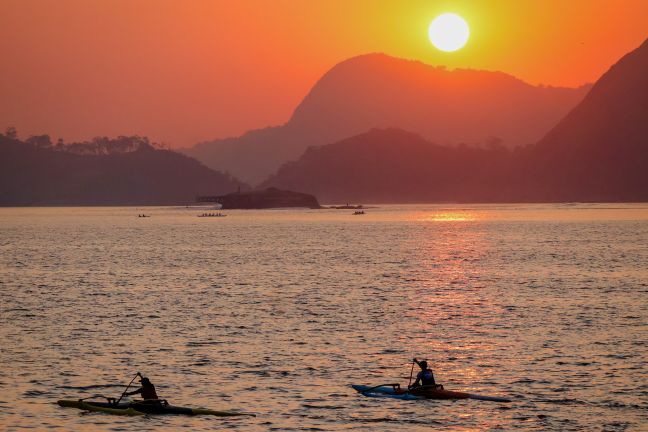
(262,199)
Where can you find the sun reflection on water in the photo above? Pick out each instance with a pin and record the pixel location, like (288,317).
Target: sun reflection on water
(450,294)
(449,216)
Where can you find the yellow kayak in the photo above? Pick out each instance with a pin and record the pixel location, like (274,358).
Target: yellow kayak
(142,408)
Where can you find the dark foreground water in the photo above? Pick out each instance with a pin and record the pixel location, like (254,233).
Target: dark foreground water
(277,312)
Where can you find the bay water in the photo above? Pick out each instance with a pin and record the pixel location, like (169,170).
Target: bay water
(277,312)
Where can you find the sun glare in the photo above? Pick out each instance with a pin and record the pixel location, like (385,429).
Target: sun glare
(450,216)
(448,32)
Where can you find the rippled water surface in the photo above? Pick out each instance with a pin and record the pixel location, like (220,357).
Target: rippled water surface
(277,312)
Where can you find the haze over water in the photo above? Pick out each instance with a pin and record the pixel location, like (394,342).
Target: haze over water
(278,312)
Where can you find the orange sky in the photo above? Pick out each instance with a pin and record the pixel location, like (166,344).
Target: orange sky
(184,71)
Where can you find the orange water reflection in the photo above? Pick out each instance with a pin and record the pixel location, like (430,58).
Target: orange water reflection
(452,296)
(449,216)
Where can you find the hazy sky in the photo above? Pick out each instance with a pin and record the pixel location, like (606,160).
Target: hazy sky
(191,70)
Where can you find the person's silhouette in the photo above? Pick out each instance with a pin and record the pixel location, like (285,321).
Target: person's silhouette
(147,390)
(425,377)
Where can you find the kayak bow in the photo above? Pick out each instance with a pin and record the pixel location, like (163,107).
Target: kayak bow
(424,392)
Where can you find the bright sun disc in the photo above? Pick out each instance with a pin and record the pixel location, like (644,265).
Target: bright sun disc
(448,32)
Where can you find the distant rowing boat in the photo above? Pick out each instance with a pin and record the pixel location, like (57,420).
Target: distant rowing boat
(212,215)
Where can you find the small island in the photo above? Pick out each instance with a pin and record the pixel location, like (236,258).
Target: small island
(262,199)
(347,207)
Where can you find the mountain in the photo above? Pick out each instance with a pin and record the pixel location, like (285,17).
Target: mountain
(31,175)
(597,153)
(379,91)
(392,165)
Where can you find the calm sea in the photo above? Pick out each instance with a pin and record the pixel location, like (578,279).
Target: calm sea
(277,312)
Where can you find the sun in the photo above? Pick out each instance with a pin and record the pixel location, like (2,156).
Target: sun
(448,32)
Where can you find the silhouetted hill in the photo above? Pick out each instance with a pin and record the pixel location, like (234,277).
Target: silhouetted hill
(598,152)
(141,175)
(392,165)
(378,91)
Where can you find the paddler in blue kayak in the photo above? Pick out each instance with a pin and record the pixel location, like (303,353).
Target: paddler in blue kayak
(147,390)
(425,377)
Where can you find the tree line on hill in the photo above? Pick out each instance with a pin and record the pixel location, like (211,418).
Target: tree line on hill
(96,146)
(127,170)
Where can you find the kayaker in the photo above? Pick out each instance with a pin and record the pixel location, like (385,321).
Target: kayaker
(147,390)
(425,377)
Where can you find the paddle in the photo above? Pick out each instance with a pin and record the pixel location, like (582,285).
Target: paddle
(411,373)
(127,387)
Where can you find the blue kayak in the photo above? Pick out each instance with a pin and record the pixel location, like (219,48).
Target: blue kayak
(423,392)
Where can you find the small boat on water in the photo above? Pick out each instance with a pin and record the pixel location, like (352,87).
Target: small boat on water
(422,392)
(347,207)
(144,408)
(361,212)
(212,215)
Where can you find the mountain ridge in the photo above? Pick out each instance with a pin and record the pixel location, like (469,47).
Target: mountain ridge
(379,91)
(608,129)
(598,152)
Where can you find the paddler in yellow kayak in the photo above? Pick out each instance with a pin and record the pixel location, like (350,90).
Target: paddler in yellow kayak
(425,377)
(147,390)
